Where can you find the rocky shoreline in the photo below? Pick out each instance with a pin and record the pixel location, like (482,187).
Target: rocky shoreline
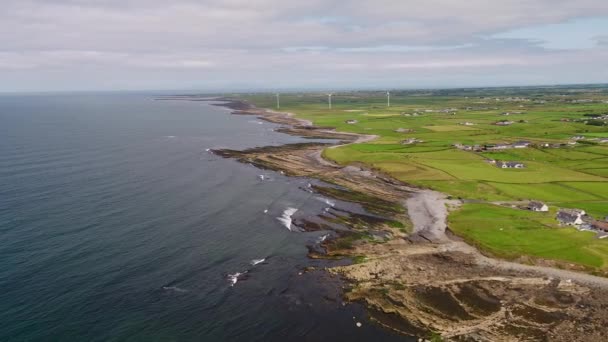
(414,277)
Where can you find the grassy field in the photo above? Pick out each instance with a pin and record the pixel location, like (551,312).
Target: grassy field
(510,233)
(573,176)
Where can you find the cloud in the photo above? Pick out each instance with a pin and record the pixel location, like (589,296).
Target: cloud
(284,39)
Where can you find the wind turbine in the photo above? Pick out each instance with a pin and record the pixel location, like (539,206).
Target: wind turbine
(388,98)
(278,101)
(329,99)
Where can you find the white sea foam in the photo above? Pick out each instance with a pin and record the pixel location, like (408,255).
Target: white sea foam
(174,288)
(285,219)
(170,136)
(322,238)
(207,149)
(265,211)
(326,201)
(257,261)
(234,278)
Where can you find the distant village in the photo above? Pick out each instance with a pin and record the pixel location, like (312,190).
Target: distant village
(519,145)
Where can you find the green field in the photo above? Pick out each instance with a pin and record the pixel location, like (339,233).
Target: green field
(511,233)
(574,176)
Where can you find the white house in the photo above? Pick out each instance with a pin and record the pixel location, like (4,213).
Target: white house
(538,206)
(571,217)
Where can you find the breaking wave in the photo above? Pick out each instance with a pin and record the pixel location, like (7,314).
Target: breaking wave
(257,261)
(285,219)
(234,278)
(326,201)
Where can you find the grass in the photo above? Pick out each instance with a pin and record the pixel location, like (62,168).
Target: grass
(450,128)
(510,233)
(550,192)
(573,176)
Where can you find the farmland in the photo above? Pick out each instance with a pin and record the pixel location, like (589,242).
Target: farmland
(559,170)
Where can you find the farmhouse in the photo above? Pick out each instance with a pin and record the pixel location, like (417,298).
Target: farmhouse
(578,137)
(551,145)
(467,123)
(468,147)
(537,206)
(494,147)
(404,130)
(509,165)
(504,123)
(411,141)
(521,144)
(603,140)
(351,121)
(570,217)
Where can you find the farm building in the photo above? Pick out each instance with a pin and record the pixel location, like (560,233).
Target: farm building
(600,226)
(404,130)
(490,147)
(521,144)
(411,141)
(570,217)
(509,165)
(467,123)
(351,121)
(537,206)
(468,147)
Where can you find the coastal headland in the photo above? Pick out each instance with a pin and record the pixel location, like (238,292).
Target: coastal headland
(414,275)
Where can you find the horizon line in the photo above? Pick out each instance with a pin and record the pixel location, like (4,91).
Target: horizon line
(260,90)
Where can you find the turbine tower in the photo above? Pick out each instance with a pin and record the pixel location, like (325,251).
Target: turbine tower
(278,101)
(329,99)
(388,98)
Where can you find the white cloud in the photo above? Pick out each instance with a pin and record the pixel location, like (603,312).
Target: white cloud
(281,40)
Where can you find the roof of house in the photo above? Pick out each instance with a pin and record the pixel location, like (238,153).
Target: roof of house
(535,204)
(509,163)
(571,211)
(567,217)
(521,142)
(600,225)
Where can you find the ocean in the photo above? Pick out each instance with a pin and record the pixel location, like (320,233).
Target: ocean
(117,224)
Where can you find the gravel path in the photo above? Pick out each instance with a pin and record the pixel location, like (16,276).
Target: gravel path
(565,275)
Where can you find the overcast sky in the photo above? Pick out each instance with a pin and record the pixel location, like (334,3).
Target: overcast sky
(48,45)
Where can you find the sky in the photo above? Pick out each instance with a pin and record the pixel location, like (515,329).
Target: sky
(274,45)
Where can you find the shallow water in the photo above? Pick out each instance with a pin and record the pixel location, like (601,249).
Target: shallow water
(116,224)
